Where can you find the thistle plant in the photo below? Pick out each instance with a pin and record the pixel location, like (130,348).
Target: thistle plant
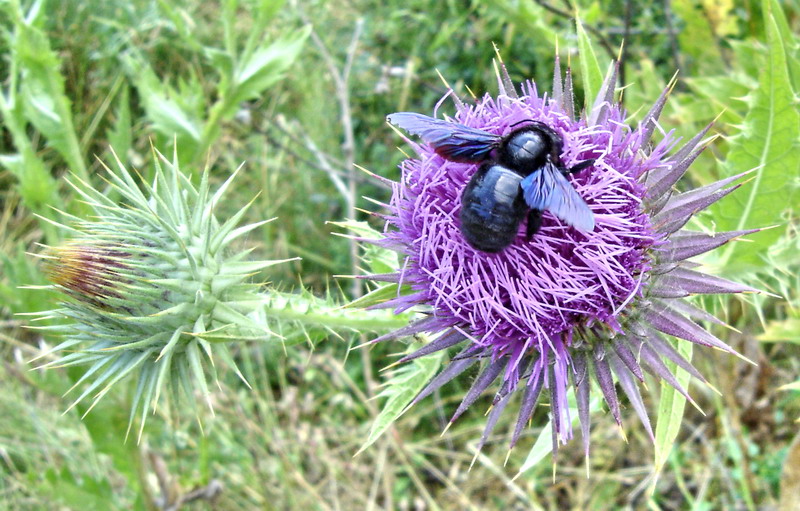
(564,306)
(157,291)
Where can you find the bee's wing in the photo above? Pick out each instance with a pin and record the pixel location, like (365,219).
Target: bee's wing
(450,140)
(549,189)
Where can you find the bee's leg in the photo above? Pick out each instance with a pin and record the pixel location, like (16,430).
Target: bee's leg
(579,167)
(534,222)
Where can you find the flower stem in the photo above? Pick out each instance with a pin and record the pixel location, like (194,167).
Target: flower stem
(311,311)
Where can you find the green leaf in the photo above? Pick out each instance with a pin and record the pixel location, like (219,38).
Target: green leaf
(376,296)
(379,260)
(543,445)
(544,441)
(768,142)
(17,268)
(266,10)
(169,117)
(222,62)
(532,20)
(404,386)
(790,39)
(670,408)
(247,76)
(36,186)
(696,38)
(45,103)
(790,386)
(785,330)
(120,136)
(716,92)
(264,67)
(591,72)
(177,15)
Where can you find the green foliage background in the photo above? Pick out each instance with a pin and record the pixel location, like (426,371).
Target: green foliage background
(299,92)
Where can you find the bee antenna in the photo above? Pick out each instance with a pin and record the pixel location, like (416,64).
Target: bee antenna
(520,122)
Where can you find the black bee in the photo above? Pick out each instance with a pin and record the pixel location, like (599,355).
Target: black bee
(520,173)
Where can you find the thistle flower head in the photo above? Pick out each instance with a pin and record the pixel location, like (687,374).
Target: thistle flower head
(550,311)
(155,289)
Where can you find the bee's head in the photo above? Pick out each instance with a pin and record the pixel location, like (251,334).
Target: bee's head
(526,149)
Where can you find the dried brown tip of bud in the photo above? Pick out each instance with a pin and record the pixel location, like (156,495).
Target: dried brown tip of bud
(89,273)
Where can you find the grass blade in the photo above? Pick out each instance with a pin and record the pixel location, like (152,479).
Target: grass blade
(670,408)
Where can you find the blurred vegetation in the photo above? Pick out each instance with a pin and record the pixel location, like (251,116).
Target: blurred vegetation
(299,92)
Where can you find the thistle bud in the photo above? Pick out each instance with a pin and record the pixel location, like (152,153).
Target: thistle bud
(157,292)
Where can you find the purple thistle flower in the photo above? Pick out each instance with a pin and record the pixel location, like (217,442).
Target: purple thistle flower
(555,309)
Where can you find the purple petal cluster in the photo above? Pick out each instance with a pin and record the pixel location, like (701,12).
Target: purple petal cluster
(554,310)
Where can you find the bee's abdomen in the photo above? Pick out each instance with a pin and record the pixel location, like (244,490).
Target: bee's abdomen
(492,208)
